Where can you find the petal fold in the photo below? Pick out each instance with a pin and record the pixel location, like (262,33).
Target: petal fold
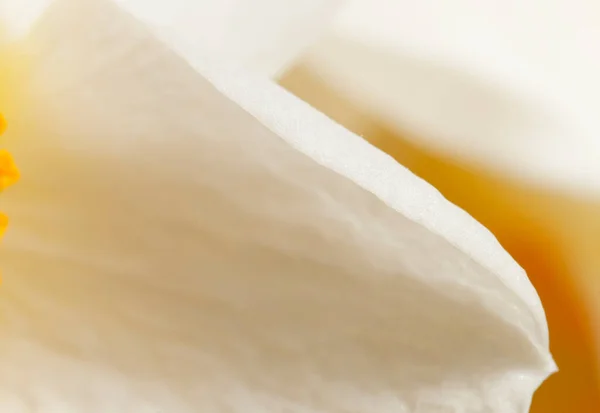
(507,85)
(188,238)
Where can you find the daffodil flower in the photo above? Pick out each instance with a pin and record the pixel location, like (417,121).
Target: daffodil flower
(189,237)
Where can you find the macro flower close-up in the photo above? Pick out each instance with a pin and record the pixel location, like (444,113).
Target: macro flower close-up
(304,206)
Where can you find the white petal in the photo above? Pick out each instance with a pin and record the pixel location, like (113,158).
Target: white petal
(510,84)
(180,245)
(261,35)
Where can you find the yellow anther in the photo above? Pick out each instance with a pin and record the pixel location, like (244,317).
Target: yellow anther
(3,223)
(9,173)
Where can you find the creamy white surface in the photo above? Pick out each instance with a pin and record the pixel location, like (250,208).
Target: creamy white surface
(190,239)
(509,85)
(263,36)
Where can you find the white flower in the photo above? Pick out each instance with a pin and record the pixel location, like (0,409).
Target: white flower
(509,85)
(187,238)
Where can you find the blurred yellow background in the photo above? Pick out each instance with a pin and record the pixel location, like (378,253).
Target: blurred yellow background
(554,237)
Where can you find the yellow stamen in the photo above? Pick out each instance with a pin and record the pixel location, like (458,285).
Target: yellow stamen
(9,174)
(3,223)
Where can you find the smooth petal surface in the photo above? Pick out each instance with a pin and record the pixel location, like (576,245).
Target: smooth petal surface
(260,35)
(508,84)
(187,242)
